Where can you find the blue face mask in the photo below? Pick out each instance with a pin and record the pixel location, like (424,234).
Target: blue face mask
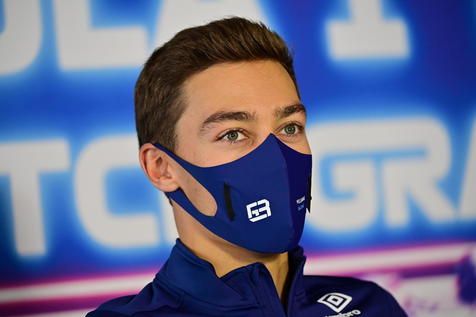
(261,197)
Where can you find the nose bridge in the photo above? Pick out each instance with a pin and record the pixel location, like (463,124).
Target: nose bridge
(266,136)
(259,140)
(270,139)
(265,125)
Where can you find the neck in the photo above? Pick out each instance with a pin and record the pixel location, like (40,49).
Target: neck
(225,256)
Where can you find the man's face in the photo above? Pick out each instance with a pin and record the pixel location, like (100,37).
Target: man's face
(230,110)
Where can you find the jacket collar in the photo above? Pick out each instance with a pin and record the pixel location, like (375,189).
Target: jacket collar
(184,272)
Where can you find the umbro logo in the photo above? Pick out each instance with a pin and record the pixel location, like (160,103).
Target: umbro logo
(335,301)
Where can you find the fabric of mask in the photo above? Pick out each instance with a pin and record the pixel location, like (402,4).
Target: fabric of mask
(261,197)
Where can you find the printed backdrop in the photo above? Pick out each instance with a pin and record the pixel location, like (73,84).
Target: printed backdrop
(390,88)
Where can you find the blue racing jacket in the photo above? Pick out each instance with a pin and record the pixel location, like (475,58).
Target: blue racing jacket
(187,286)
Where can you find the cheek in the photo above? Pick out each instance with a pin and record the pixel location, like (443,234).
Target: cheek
(213,154)
(190,149)
(225,154)
(303,146)
(201,154)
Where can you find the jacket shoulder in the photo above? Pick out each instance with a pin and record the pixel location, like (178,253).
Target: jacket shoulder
(104,313)
(153,298)
(322,281)
(110,308)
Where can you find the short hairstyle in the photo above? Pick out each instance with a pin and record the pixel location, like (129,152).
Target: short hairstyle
(158,92)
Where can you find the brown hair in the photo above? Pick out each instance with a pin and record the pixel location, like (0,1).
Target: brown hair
(158,102)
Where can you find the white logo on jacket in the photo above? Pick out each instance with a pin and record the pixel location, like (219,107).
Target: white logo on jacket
(335,301)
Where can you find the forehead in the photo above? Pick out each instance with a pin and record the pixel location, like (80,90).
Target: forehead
(257,86)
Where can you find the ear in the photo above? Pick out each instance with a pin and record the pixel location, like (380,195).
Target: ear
(156,164)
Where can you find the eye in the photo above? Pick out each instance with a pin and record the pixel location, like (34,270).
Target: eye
(291,129)
(232,136)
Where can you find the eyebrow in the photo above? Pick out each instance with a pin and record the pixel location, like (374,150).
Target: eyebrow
(221,116)
(245,116)
(286,111)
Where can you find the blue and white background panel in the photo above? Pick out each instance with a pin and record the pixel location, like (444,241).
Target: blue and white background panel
(390,88)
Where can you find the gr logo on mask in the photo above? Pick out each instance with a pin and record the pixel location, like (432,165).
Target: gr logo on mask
(255,214)
(243,217)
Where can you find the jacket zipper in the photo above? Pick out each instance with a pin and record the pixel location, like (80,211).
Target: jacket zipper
(272,297)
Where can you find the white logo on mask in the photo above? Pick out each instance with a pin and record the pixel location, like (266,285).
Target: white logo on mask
(336,301)
(258,210)
(300,203)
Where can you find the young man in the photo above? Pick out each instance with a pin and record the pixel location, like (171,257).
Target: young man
(221,129)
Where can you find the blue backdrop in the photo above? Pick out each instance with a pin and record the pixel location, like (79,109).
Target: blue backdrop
(390,88)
